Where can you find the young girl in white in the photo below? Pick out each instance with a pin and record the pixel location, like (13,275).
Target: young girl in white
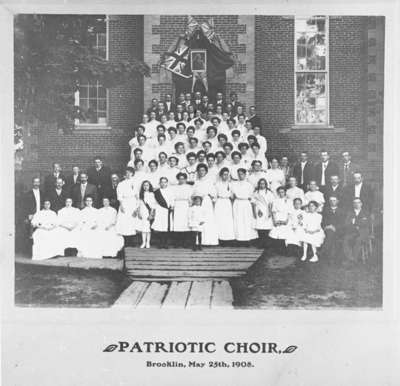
(196,222)
(312,232)
(296,217)
(314,194)
(147,204)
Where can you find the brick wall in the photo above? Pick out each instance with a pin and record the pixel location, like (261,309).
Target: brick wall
(125,106)
(274,73)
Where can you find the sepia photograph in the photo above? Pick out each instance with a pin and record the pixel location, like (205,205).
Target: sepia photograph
(224,161)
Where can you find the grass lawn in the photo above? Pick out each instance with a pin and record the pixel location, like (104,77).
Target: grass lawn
(44,286)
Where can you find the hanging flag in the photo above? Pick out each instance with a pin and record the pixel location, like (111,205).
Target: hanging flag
(176,59)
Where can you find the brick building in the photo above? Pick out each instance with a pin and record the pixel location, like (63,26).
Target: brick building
(272,71)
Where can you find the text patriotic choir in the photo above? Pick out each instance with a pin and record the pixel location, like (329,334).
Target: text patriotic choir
(199,174)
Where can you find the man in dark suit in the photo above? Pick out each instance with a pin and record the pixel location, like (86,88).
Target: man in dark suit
(57,196)
(79,192)
(357,225)
(234,102)
(334,189)
(254,118)
(347,169)
(324,170)
(204,104)
(303,170)
(219,100)
(188,100)
(168,105)
(361,190)
(31,204)
(110,191)
(50,180)
(333,219)
(197,101)
(160,110)
(153,107)
(72,179)
(99,175)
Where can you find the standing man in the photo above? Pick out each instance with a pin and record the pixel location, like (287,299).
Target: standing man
(50,180)
(347,169)
(110,191)
(219,100)
(303,170)
(359,189)
(253,117)
(32,203)
(79,192)
(57,195)
(234,102)
(99,175)
(72,179)
(324,170)
(334,189)
(168,105)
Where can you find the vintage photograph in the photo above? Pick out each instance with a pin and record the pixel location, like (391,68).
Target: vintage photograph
(194,161)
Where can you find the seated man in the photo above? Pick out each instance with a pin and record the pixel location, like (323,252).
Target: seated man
(333,225)
(357,225)
(361,190)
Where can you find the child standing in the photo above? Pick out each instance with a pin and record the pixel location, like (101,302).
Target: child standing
(196,221)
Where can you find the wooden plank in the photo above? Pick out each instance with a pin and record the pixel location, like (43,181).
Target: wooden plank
(154,295)
(222,295)
(160,279)
(133,294)
(167,252)
(176,273)
(188,262)
(200,294)
(179,266)
(177,294)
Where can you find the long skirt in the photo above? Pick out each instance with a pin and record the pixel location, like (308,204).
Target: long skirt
(46,244)
(264,222)
(224,219)
(68,238)
(181,218)
(126,223)
(210,232)
(315,239)
(143,224)
(243,221)
(162,220)
(281,232)
(293,236)
(89,244)
(111,242)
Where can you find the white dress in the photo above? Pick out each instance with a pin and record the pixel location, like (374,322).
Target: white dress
(68,217)
(296,192)
(46,241)
(204,188)
(153,178)
(224,211)
(162,215)
(243,220)
(110,241)
(295,226)
(253,178)
(315,196)
(275,178)
(280,210)
(196,216)
(312,223)
(89,239)
(143,224)
(263,203)
(126,194)
(182,195)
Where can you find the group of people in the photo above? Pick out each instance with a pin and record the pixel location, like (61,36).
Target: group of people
(199,174)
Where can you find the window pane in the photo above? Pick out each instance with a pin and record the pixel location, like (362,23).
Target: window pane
(311,102)
(93,91)
(102,92)
(102,105)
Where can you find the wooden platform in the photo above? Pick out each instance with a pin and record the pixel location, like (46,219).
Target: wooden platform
(177,294)
(181,264)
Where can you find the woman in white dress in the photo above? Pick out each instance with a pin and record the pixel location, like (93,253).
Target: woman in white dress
(312,231)
(68,220)
(281,207)
(153,176)
(46,242)
(243,220)
(89,245)
(262,211)
(182,197)
(313,194)
(296,217)
(223,208)
(127,213)
(204,188)
(275,176)
(163,216)
(213,170)
(147,205)
(111,242)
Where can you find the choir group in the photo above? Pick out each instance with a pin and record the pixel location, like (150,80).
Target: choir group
(199,174)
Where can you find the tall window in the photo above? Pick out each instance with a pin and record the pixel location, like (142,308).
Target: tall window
(311,71)
(91,96)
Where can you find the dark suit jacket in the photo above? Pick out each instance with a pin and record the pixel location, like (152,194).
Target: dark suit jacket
(337,193)
(256,121)
(197,106)
(150,109)
(110,192)
(361,224)
(308,173)
(50,181)
(171,108)
(29,203)
(336,219)
(346,176)
(366,196)
(331,169)
(79,201)
(99,178)
(57,201)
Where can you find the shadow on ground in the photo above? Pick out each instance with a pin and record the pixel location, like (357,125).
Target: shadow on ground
(285,282)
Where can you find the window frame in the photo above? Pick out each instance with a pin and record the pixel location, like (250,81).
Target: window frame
(326,72)
(101,126)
